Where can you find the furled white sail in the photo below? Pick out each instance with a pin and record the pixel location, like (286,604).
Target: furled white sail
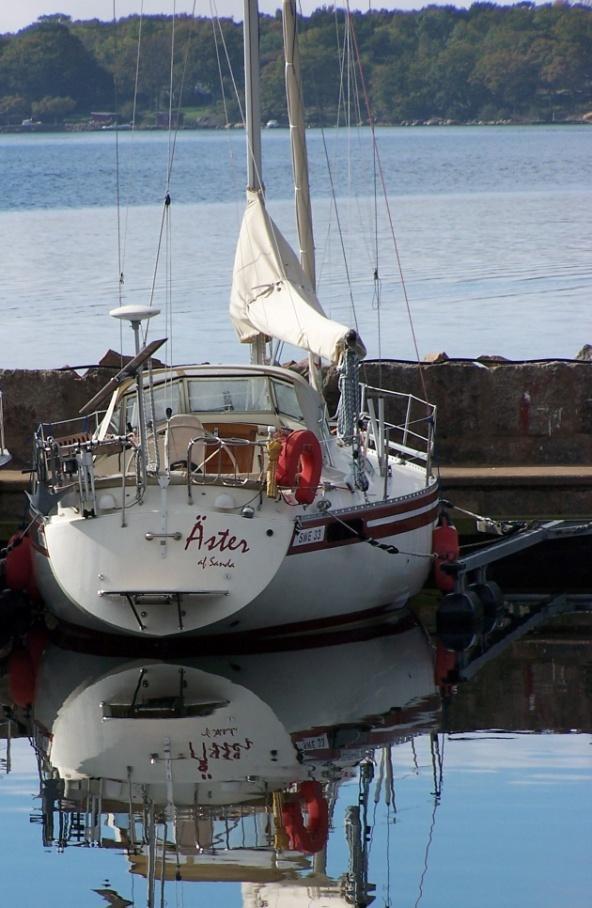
(271,295)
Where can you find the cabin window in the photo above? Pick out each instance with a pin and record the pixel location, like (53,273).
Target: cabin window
(166,395)
(115,427)
(287,401)
(229,395)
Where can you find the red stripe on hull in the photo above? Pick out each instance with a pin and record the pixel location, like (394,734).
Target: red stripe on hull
(403,526)
(377,512)
(361,532)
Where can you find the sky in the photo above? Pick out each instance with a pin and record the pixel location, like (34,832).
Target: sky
(14,16)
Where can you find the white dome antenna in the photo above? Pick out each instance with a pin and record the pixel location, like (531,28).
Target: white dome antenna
(135,315)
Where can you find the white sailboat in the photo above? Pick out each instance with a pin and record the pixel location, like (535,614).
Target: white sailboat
(216,499)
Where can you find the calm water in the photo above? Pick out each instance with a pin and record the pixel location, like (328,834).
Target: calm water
(480,794)
(493,229)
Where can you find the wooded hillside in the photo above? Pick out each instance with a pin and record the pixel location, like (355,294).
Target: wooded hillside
(486,63)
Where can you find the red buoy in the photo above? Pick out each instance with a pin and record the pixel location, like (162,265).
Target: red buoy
(300,464)
(312,836)
(446,549)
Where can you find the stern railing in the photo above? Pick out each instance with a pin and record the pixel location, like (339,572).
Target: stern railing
(65,452)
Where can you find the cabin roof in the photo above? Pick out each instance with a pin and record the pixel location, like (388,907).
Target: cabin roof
(311,402)
(211,370)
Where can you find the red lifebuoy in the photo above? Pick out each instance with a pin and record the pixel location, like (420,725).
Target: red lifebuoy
(300,464)
(312,836)
(446,548)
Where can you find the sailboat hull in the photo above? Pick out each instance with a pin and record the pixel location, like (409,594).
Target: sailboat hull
(208,571)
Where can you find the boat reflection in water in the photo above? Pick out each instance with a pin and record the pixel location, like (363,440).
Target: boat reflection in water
(229,768)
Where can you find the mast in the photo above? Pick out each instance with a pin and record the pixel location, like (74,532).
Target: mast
(298,142)
(253,124)
(299,160)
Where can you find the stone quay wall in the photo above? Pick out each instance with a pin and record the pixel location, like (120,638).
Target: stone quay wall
(491,412)
(498,413)
(32,396)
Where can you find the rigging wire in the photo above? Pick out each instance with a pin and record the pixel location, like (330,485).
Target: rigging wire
(339,229)
(171,87)
(117,184)
(376,297)
(134,116)
(122,232)
(137,73)
(118,199)
(348,100)
(169,298)
(387,900)
(345,55)
(217,24)
(175,131)
(228,63)
(163,863)
(173,135)
(437,755)
(386,202)
(343,103)
(220,41)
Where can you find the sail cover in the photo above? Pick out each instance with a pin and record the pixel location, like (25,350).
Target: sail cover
(272,296)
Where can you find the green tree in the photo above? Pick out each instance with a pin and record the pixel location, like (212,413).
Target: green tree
(517,61)
(46,59)
(13,109)
(53,110)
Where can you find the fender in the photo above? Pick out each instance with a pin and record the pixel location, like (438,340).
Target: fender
(18,565)
(446,549)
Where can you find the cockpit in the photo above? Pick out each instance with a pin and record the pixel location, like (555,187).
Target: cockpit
(207,422)
(230,398)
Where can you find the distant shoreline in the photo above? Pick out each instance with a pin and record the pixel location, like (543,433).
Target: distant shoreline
(585,120)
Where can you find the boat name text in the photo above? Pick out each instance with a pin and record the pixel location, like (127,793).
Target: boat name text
(222,541)
(204,753)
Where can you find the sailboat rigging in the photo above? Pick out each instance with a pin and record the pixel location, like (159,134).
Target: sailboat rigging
(220,499)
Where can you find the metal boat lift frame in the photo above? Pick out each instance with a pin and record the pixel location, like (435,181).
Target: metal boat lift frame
(524,612)
(474,566)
